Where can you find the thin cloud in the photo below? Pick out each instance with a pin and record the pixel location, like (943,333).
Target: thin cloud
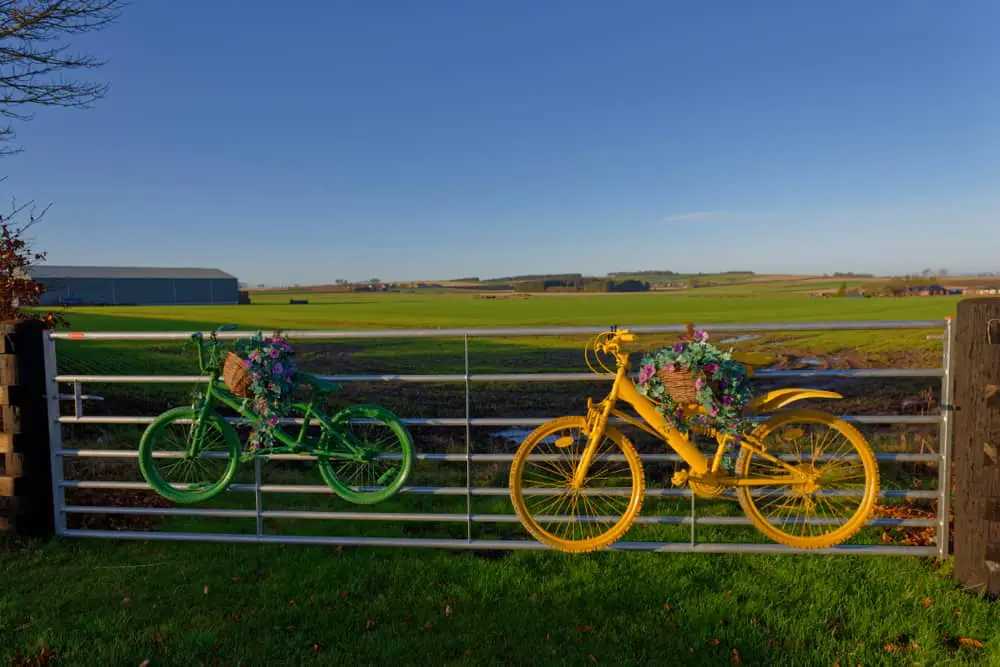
(698,215)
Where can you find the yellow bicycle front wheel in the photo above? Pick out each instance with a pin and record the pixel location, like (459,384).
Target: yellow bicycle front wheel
(843,479)
(576,520)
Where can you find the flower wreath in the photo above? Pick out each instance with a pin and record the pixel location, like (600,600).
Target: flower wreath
(723,406)
(272,379)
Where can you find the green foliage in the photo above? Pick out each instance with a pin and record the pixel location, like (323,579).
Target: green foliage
(723,389)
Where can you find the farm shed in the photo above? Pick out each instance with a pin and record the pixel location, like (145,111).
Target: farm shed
(120,286)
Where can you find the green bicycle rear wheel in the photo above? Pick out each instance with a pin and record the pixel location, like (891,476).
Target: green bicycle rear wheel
(389,450)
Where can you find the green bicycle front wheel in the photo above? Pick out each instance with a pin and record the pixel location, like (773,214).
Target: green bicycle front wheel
(168,467)
(385,459)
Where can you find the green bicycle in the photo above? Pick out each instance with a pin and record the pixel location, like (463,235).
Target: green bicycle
(190,454)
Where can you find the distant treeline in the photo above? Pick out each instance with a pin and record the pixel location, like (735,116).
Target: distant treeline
(581,285)
(542,276)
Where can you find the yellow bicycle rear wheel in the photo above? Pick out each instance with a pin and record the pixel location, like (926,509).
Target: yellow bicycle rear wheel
(586,519)
(844,476)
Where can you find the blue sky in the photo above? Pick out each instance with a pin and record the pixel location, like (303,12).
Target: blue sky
(301,142)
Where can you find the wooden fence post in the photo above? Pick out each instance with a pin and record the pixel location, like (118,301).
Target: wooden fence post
(26,481)
(976,453)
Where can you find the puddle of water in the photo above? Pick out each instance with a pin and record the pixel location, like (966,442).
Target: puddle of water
(512,434)
(740,339)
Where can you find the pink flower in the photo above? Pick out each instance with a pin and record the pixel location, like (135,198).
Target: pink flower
(711,367)
(701,336)
(646,372)
(699,383)
(670,368)
(274,353)
(727,399)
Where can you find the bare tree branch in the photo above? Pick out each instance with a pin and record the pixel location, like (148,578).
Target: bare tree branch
(35,61)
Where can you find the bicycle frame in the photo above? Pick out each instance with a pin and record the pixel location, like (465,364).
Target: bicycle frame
(623,389)
(218,392)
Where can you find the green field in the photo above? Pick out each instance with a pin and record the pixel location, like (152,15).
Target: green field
(121,603)
(737,304)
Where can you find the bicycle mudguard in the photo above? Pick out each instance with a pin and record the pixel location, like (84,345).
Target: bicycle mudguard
(779,398)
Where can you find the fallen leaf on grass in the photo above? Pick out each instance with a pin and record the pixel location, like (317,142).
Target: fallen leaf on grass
(369,624)
(205,590)
(927,602)
(969,641)
(736,657)
(427,626)
(144,663)
(447,610)
(583,628)
(666,605)
(592,658)
(548,637)
(713,641)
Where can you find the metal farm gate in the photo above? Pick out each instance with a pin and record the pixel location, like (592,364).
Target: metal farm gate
(463,486)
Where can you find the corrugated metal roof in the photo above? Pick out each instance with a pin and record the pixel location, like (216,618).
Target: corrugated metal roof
(64,272)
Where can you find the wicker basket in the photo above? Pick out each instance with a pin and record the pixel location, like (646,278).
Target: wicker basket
(235,375)
(680,385)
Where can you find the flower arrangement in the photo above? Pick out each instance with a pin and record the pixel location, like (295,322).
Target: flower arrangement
(721,384)
(272,379)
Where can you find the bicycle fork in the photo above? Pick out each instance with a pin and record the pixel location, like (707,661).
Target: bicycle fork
(597,422)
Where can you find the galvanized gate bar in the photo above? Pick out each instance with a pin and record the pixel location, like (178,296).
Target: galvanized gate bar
(507,545)
(512,332)
(468,421)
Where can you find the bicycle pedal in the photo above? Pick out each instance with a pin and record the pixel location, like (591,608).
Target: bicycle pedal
(680,478)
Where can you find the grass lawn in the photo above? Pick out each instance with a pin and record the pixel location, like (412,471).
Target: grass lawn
(93,603)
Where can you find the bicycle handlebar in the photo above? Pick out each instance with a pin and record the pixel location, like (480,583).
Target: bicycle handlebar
(617,337)
(199,339)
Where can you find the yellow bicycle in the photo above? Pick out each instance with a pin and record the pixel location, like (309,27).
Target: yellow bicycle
(577,484)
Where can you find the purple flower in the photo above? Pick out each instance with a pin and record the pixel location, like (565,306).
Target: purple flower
(701,336)
(678,347)
(727,399)
(272,421)
(646,372)
(277,369)
(723,384)
(247,363)
(274,353)
(711,367)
